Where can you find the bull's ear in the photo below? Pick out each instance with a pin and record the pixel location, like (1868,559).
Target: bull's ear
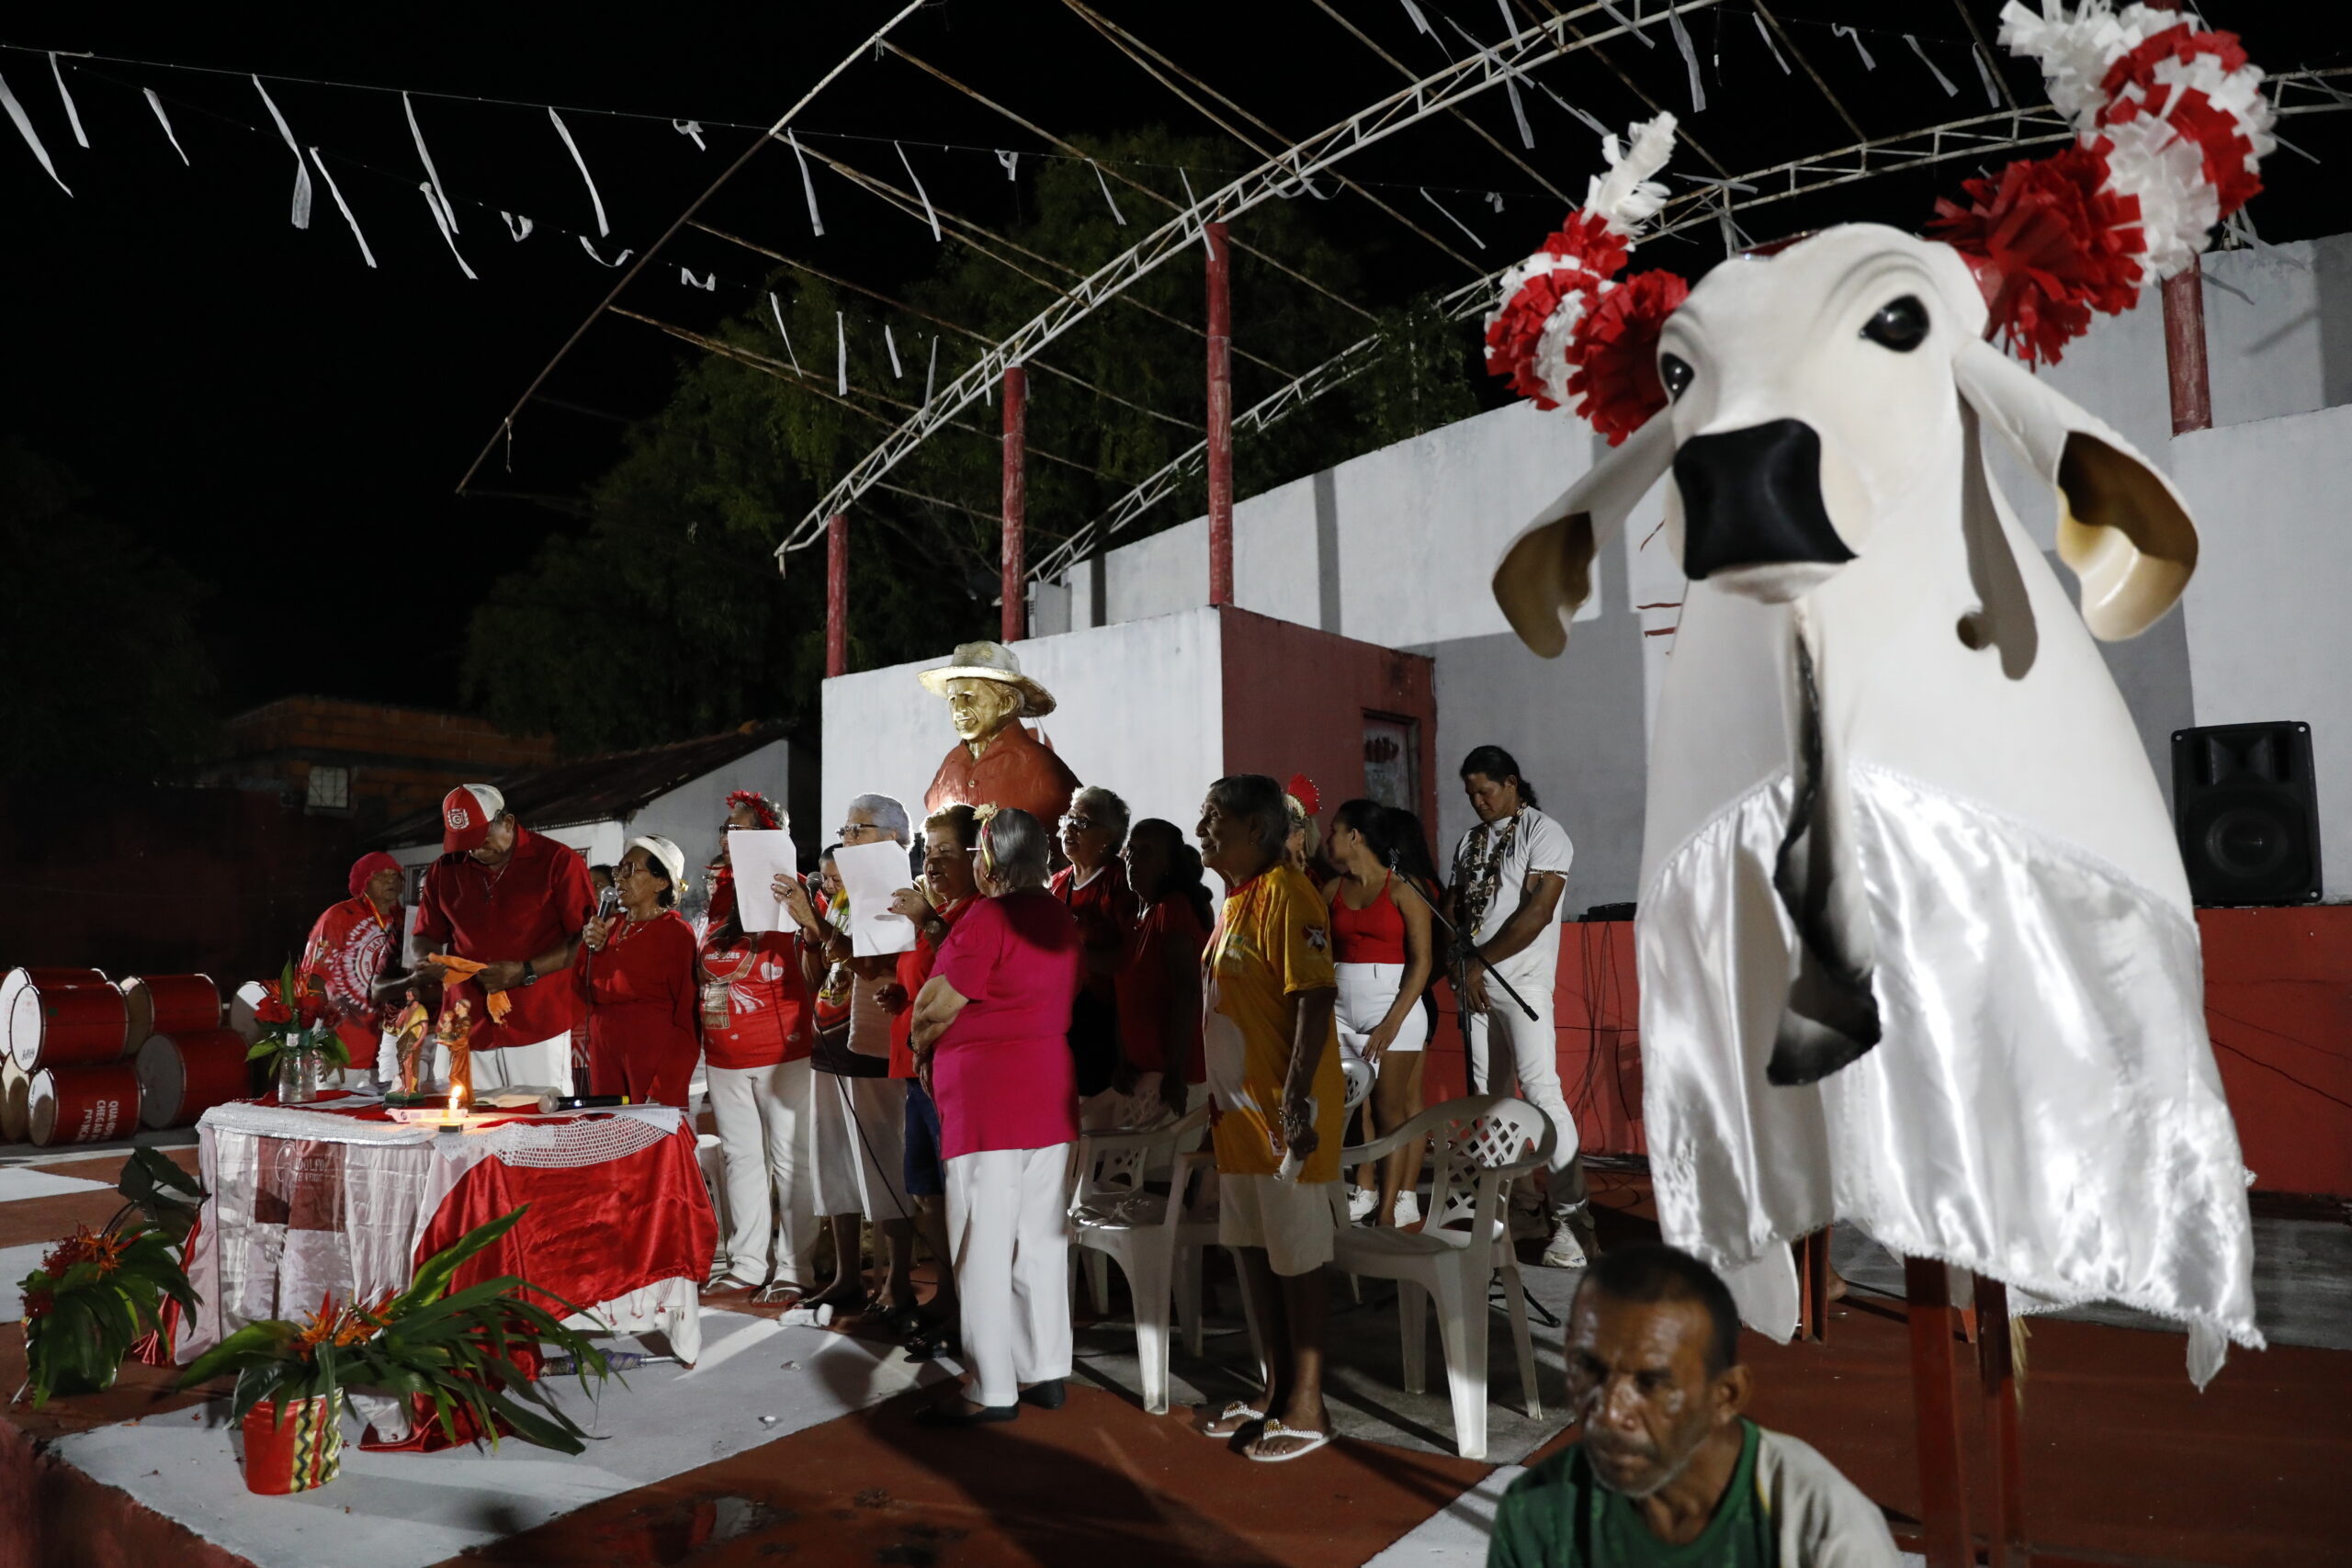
(1546,574)
(2121,526)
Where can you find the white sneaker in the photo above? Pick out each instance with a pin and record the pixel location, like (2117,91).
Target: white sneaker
(1360,1205)
(1408,1209)
(1563,1250)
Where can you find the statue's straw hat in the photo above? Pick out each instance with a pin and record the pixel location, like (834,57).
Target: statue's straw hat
(990,661)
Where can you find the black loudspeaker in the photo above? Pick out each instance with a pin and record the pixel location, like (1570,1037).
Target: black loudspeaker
(2248,813)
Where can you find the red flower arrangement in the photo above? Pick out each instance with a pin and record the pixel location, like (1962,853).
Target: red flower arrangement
(1615,353)
(1514,338)
(2050,241)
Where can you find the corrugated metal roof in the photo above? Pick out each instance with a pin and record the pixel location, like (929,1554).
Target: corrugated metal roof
(599,789)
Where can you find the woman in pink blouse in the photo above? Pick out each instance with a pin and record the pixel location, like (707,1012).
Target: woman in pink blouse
(991,1040)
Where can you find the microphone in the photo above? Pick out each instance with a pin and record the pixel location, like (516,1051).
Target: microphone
(608,904)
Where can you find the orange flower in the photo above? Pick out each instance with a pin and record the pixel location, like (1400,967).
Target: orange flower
(103,1248)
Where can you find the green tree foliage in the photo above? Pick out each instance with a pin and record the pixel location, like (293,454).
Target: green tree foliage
(678,545)
(101,673)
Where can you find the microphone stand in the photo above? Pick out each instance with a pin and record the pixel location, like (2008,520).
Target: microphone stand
(1453,938)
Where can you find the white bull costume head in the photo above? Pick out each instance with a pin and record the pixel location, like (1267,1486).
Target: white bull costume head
(1915,944)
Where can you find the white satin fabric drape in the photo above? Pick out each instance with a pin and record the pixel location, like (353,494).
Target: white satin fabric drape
(2043,1109)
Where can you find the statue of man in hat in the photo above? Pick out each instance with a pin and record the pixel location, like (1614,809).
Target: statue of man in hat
(997,760)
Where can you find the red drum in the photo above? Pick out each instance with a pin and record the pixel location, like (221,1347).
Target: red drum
(19,979)
(168,1004)
(14,1087)
(181,1077)
(51,1026)
(83,1105)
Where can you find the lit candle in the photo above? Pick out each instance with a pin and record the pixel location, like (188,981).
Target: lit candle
(454,1117)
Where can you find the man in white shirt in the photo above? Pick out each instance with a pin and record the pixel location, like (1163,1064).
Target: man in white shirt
(1504,899)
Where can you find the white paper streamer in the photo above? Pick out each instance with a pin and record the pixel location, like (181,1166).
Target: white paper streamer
(896,374)
(691,129)
(1941,80)
(1420,21)
(1868,64)
(1689,59)
(777,311)
(929,216)
(591,253)
(73,114)
(1766,34)
(1985,73)
(708,285)
(807,185)
(841,355)
(518,227)
(416,133)
(441,221)
(1457,222)
(564,131)
(1012,162)
(166,121)
(1630,26)
(931,376)
(1495,200)
(343,207)
(1116,213)
(32,139)
(301,165)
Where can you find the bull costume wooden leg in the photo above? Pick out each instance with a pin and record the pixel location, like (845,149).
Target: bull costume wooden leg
(1934,1404)
(1996,1372)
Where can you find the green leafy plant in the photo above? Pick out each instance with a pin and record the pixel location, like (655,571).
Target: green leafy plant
(293,1017)
(96,1293)
(457,1350)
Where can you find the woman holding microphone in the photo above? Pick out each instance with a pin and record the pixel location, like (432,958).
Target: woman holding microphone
(638,982)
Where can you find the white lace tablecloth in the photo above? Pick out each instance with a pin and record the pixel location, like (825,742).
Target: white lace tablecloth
(307,1204)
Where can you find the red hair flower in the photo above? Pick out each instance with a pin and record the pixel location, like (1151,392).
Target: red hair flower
(760,805)
(1302,789)
(1615,353)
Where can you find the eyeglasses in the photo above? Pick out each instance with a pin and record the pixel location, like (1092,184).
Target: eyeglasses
(1079,824)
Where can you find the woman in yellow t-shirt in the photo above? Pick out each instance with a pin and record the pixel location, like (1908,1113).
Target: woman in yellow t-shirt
(1272,1057)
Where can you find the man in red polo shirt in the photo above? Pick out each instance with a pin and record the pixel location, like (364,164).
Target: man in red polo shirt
(515,902)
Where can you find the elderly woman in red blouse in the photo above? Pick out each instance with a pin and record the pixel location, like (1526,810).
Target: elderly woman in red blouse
(638,981)
(990,1035)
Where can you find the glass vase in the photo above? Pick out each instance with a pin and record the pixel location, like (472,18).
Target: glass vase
(301,1077)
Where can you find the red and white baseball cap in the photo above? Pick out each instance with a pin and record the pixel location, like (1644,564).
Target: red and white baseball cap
(467,812)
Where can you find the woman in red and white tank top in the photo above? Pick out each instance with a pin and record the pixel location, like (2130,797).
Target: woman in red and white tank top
(1381,951)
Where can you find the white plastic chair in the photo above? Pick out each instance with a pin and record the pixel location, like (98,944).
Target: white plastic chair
(1115,1216)
(1480,1144)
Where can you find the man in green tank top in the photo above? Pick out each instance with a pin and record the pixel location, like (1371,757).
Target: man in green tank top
(1668,1471)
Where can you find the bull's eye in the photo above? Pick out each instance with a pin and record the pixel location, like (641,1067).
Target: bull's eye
(1676,372)
(1901,325)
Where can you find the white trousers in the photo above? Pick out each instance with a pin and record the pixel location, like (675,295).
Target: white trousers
(858,1135)
(1008,1224)
(1527,1063)
(763,1134)
(543,1064)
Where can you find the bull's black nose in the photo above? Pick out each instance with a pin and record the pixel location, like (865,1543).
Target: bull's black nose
(1753,498)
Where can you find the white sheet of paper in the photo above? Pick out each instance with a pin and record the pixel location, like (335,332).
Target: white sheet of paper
(760,855)
(872,873)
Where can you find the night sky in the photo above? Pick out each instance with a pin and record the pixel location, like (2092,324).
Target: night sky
(291,425)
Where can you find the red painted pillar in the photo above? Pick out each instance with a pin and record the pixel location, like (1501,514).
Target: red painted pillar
(1016,502)
(1220,418)
(2192,386)
(837,595)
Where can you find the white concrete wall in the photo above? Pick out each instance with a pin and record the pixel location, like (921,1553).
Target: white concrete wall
(2269,633)
(1149,689)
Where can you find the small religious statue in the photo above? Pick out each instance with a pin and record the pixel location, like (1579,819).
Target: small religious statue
(411,1034)
(997,761)
(454,1032)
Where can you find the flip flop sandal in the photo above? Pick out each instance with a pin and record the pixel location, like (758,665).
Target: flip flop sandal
(781,1293)
(932,1341)
(1313,1440)
(1239,1414)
